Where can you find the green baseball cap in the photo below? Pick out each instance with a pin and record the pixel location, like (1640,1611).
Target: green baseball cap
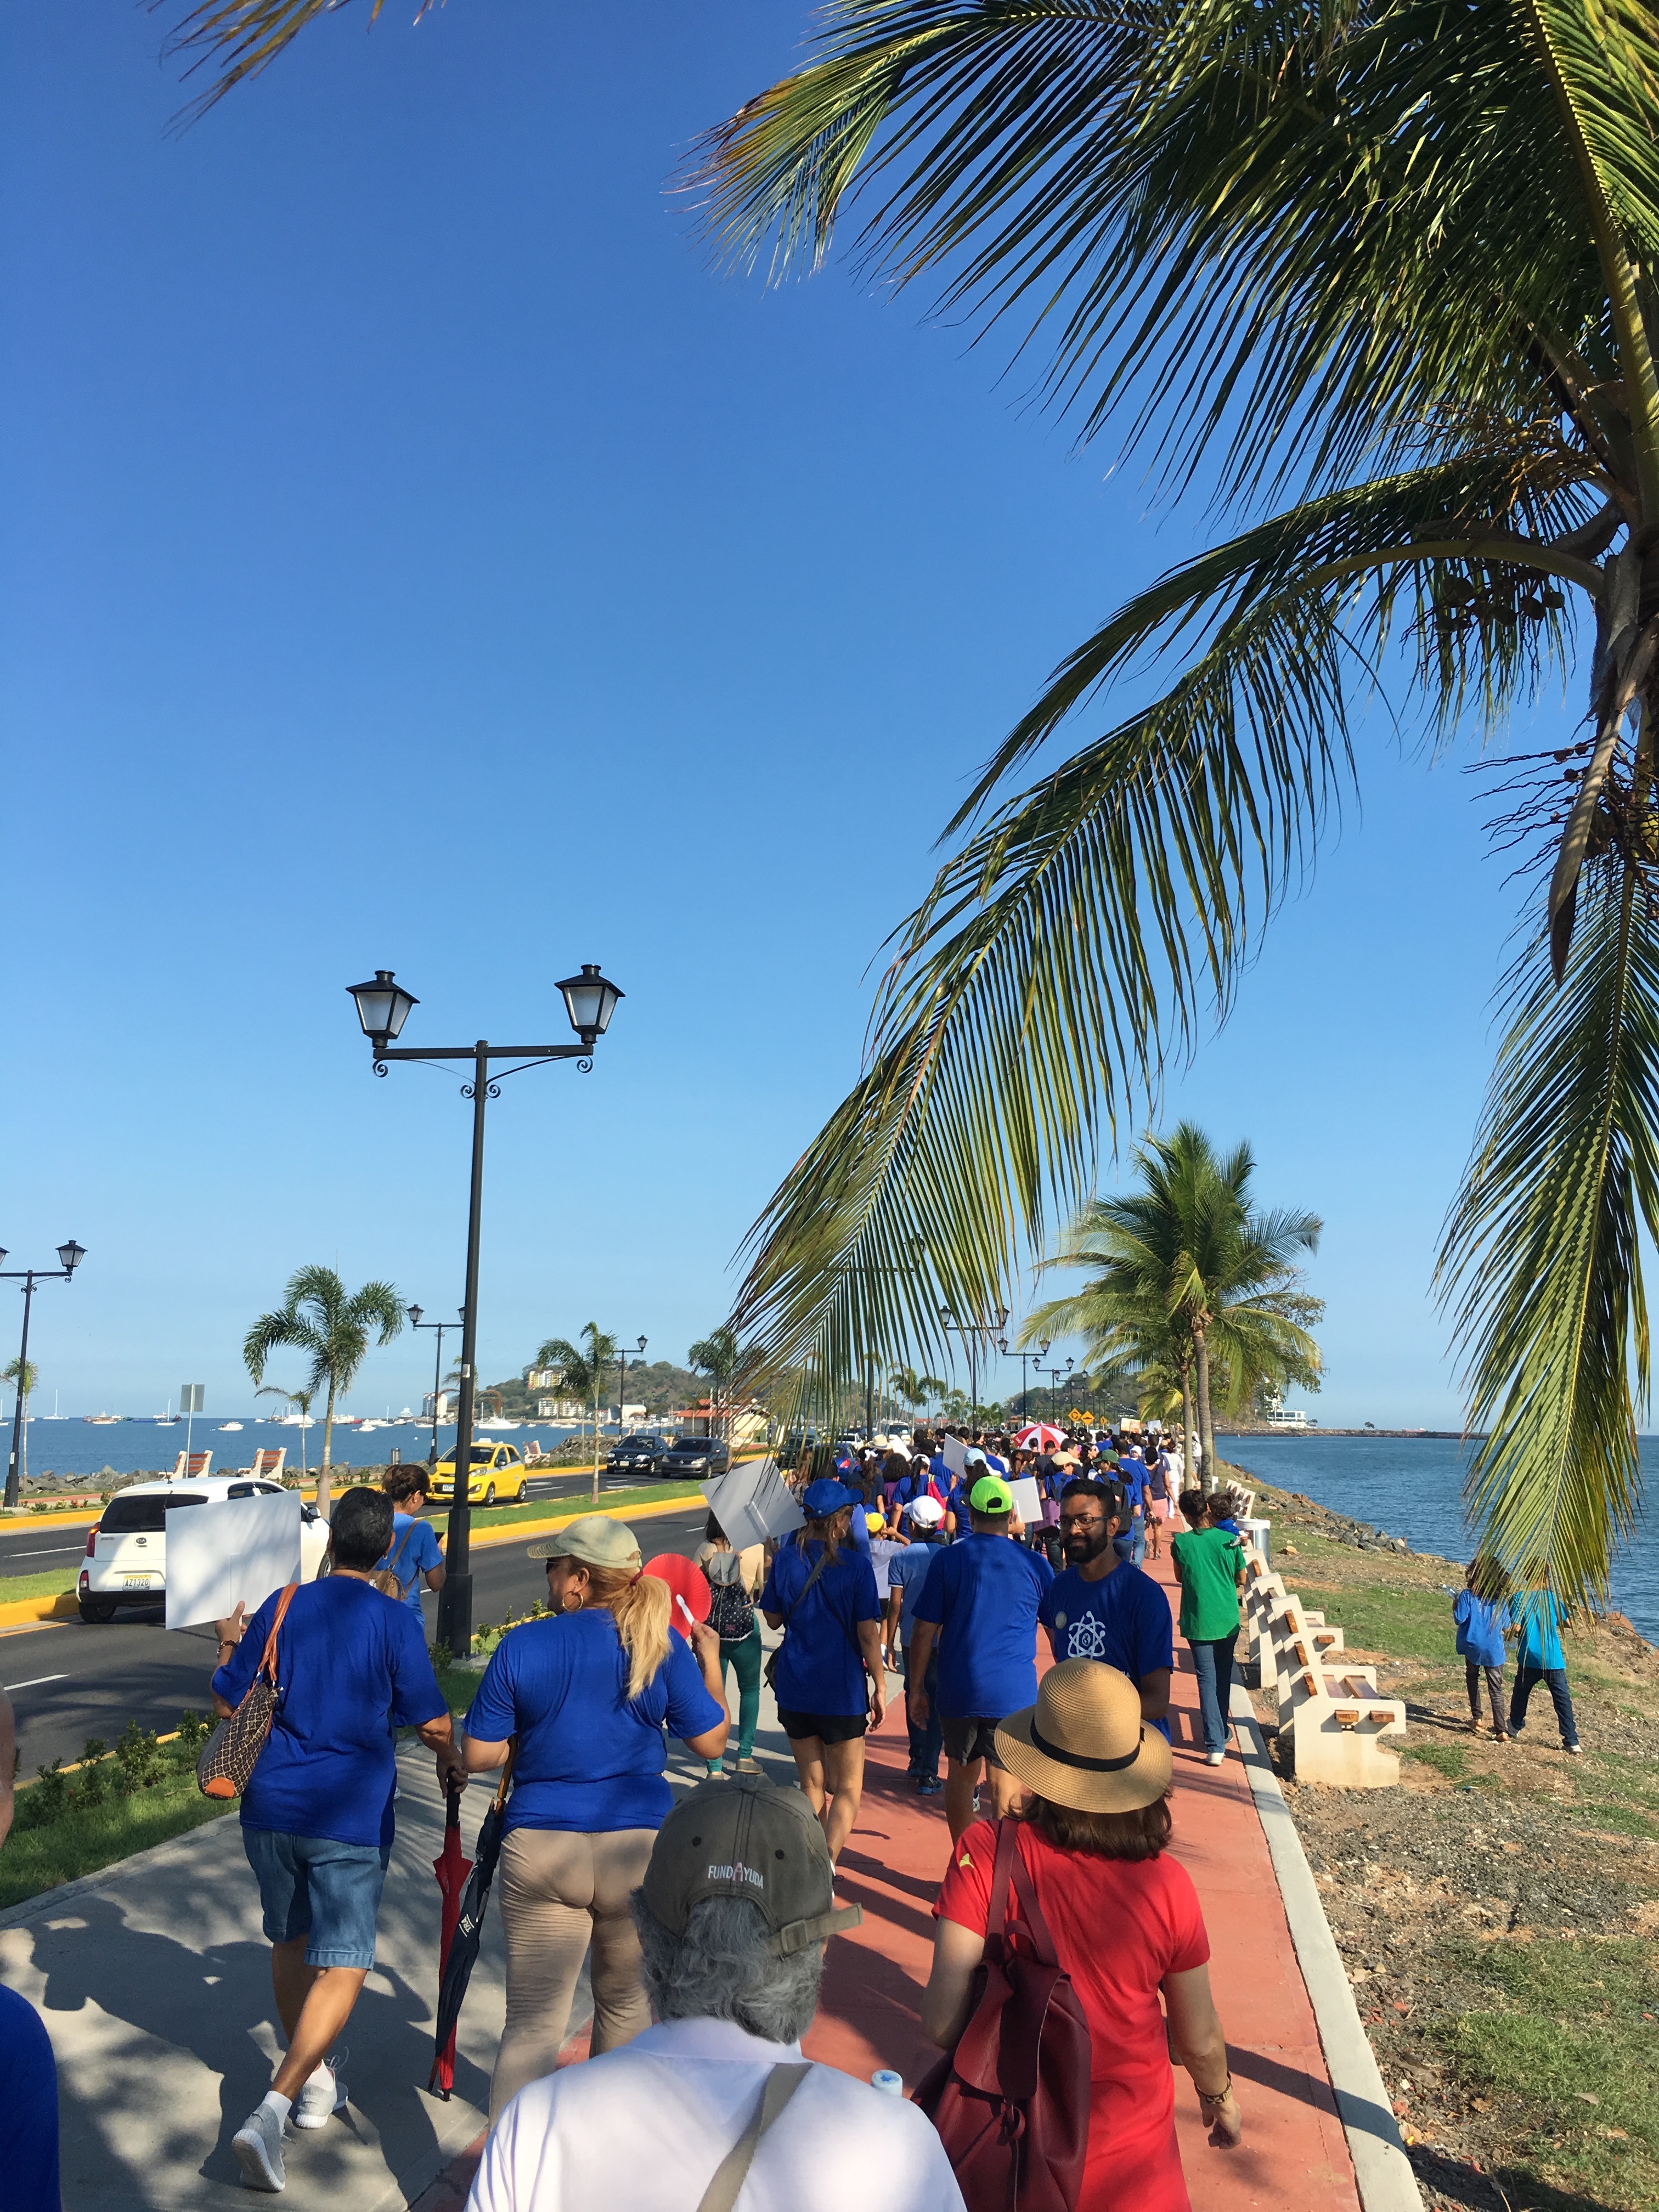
(747,1839)
(596,1540)
(991,1494)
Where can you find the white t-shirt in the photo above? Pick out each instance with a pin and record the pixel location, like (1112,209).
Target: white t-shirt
(644,2128)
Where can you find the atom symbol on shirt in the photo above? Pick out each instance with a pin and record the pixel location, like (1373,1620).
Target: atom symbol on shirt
(1087,1639)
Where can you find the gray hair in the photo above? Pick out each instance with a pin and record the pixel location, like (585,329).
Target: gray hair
(722,1969)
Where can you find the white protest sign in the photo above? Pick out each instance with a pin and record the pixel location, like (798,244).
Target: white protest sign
(954,1453)
(236,1550)
(753,1503)
(1028,1501)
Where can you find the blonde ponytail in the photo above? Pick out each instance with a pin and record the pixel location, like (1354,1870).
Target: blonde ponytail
(639,1604)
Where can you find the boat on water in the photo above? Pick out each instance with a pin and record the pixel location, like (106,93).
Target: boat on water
(499,1424)
(229,1428)
(292,1421)
(103,1420)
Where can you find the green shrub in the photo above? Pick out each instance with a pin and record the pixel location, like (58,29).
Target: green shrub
(92,1783)
(139,1757)
(47,1802)
(193,1731)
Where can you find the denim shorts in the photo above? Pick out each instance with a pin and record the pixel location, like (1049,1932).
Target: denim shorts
(311,1886)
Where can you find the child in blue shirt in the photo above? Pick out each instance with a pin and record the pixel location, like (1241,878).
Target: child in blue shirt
(1538,1620)
(1480,1613)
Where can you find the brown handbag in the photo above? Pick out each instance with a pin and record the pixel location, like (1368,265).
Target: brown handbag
(232,1752)
(1011,2102)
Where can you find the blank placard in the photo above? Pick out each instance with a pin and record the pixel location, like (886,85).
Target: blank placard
(236,1550)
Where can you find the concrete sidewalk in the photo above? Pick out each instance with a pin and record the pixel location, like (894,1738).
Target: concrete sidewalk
(153,1980)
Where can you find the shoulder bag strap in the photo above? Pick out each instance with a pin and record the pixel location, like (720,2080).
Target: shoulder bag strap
(268,1665)
(818,1566)
(732,2171)
(1007,1859)
(1030,1913)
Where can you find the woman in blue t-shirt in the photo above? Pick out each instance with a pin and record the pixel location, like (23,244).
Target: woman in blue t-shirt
(582,1698)
(821,1593)
(412,1558)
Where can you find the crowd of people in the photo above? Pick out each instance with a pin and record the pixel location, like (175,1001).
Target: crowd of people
(704,1926)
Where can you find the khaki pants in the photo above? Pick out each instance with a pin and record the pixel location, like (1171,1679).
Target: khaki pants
(558,1891)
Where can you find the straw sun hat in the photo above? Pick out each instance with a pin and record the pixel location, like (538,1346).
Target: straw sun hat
(1084,1743)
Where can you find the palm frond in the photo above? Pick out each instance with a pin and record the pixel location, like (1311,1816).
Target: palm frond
(239,38)
(1541,1256)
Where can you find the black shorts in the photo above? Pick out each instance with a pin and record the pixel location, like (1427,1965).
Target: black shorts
(967,1742)
(829,1727)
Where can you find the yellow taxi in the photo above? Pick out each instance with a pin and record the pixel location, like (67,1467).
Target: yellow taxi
(497,1473)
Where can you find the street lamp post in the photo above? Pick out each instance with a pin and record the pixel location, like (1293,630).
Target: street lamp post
(622,1384)
(69,1258)
(414,1322)
(1026,1359)
(971,1333)
(1057,1376)
(383,1007)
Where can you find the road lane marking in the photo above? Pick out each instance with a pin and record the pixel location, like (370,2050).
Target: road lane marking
(34,1681)
(51,1551)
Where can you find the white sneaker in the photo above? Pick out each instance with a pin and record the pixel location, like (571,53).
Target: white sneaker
(257,2144)
(1214,1758)
(323,2095)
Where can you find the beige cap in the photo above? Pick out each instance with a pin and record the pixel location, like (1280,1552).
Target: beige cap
(595,1539)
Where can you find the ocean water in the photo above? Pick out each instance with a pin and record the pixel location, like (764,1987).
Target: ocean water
(75,1447)
(1412,1487)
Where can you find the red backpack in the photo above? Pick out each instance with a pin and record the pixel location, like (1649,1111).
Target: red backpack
(1011,2102)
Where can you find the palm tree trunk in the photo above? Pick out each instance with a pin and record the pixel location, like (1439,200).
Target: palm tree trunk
(328,1439)
(1187,1430)
(1206,1423)
(596,1448)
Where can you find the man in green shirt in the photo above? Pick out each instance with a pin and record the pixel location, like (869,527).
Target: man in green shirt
(1209,1565)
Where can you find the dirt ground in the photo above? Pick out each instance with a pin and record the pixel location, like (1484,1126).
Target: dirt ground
(1496,1912)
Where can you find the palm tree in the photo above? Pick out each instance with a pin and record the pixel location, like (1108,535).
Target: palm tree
(1193,1279)
(584,1374)
(302,1399)
(716,1356)
(1386,272)
(912,1389)
(24,1376)
(317,1318)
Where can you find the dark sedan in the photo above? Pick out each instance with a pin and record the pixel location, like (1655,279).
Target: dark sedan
(695,1457)
(635,1455)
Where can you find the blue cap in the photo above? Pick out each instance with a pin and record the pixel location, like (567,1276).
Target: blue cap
(826,1496)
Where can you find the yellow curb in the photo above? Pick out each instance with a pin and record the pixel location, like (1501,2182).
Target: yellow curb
(65,1607)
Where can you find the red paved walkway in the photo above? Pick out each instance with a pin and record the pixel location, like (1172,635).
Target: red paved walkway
(1294,2157)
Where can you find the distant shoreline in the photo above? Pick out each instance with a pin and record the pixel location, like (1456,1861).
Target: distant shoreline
(1437,1436)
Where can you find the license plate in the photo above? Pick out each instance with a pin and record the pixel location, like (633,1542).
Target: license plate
(135,1581)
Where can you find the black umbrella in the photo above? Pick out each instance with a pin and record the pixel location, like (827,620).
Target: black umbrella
(462,1949)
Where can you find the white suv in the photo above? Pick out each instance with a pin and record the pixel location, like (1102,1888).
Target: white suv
(127,1550)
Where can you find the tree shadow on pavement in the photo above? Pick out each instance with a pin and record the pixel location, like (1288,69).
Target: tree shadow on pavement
(136,2115)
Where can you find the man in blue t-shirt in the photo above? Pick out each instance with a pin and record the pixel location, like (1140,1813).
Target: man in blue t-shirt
(1130,1542)
(906,1574)
(316,1817)
(979,1604)
(1106,1608)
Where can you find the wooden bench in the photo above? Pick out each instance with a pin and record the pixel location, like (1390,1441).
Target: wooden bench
(199,1462)
(267,1463)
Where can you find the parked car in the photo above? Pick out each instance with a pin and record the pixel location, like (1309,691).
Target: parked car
(126,1560)
(797,1442)
(497,1471)
(695,1457)
(638,1454)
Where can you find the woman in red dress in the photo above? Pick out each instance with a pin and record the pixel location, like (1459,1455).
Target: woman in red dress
(1125,1921)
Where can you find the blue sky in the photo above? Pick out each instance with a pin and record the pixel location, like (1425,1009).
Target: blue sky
(412,554)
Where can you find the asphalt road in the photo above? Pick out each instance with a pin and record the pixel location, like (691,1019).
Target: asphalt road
(73,1679)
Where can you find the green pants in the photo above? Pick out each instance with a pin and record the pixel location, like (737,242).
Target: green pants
(744,1661)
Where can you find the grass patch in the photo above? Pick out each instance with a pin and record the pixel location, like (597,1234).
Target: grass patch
(1444,1758)
(1562,2020)
(1407,1624)
(69,1825)
(1633,1779)
(14,1588)
(1618,1820)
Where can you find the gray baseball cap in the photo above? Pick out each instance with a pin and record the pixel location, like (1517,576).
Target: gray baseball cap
(745,1837)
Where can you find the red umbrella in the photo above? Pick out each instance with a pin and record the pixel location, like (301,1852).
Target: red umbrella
(452,1868)
(688,1590)
(1040,1437)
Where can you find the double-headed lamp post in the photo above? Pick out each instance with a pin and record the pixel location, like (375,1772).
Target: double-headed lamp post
(414,1322)
(1026,1359)
(973,1332)
(383,1007)
(69,1257)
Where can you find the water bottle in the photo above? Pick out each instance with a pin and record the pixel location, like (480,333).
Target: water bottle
(890,2084)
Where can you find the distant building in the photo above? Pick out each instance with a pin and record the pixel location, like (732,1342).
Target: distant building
(560,1409)
(1278,1415)
(437,1405)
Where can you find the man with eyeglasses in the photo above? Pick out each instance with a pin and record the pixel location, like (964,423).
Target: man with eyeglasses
(1106,1608)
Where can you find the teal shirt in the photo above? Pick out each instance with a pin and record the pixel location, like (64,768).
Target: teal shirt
(1207,1563)
(1539,1618)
